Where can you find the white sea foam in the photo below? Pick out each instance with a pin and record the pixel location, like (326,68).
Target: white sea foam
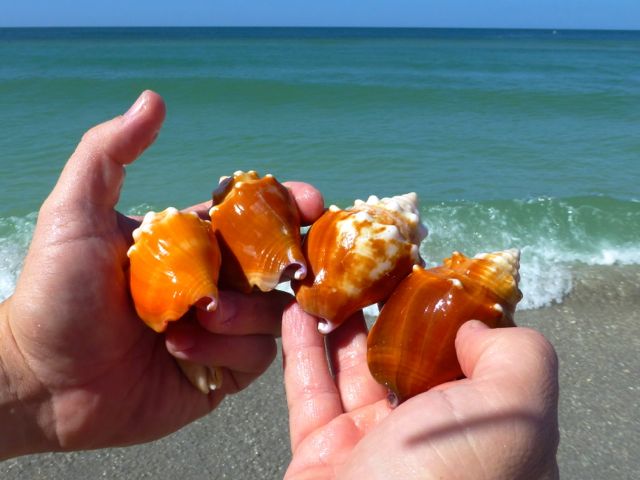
(548,251)
(545,269)
(553,236)
(15,236)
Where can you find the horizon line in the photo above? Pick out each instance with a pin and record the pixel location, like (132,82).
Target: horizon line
(354,27)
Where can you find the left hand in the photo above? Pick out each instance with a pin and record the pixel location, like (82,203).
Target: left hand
(78,368)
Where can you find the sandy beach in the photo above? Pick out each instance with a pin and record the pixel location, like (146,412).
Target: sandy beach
(596,331)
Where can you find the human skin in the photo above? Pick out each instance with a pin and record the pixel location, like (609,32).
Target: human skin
(501,422)
(78,368)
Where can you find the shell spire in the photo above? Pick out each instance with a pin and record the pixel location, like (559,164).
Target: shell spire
(496,271)
(357,256)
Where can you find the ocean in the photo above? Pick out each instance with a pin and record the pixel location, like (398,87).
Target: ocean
(511,138)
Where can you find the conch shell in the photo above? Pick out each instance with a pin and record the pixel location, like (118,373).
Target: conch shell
(411,346)
(174,264)
(357,256)
(257,225)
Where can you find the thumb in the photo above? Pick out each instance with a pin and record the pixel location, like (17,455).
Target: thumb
(516,352)
(92,178)
(471,343)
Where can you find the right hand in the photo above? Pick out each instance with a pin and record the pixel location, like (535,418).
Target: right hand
(499,422)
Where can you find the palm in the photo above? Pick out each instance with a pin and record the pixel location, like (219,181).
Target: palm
(330,450)
(503,418)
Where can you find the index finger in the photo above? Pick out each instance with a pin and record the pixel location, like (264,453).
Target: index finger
(309,200)
(312,396)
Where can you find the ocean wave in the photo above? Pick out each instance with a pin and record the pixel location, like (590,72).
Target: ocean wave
(552,234)
(15,236)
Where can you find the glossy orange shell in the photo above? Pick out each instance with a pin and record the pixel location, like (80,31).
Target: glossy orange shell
(174,264)
(257,225)
(411,347)
(356,257)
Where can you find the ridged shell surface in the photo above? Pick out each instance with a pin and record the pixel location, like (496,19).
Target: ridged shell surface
(411,347)
(174,264)
(257,225)
(357,256)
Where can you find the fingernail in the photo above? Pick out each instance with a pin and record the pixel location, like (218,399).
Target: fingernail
(180,340)
(137,107)
(476,325)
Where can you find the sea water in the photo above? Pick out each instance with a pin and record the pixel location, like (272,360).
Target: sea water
(511,138)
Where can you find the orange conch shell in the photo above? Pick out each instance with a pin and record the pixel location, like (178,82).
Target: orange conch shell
(411,346)
(257,224)
(357,256)
(174,264)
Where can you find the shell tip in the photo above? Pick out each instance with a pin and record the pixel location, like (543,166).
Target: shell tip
(300,273)
(325,326)
(212,305)
(214,378)
(393,399)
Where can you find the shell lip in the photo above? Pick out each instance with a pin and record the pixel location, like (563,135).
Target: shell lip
(208,303)
(326,326)
(296,270)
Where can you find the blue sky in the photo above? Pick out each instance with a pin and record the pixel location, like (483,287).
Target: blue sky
(613,14)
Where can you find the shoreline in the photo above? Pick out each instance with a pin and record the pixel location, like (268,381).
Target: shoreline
(596,333)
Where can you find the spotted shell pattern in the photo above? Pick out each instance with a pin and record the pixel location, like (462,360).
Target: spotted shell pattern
(357,256)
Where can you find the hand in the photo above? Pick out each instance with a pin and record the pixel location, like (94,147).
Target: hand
(499,422)
(78,368)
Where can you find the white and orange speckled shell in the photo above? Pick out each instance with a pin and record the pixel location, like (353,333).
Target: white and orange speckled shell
(357,256)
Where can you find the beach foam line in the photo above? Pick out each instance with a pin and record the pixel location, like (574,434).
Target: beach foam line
(15,236)
(553,235)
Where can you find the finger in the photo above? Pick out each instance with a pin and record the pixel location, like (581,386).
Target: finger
(202,209)
(93,176)
(312,396)
(241,353)
(347,348)
(509,355)
(243,314)
(309,200)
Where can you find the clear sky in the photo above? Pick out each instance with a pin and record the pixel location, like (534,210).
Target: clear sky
(609,14)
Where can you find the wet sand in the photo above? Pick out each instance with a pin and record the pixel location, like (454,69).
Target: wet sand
(596,332)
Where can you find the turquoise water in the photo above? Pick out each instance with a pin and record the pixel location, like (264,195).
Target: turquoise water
(511,138)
